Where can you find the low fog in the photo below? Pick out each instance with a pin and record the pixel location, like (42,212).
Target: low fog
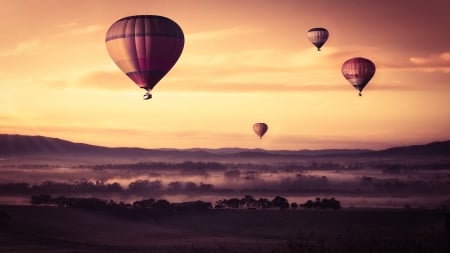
(355,184)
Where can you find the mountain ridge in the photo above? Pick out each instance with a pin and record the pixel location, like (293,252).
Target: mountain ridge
(18,145)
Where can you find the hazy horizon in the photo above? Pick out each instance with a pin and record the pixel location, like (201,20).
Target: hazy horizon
(231,147)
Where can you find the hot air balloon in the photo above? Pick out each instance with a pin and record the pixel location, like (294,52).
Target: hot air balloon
(318,36)
(358,71)
(145,48)
(260,129)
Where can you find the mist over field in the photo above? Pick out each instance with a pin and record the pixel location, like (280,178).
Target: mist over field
(356,178)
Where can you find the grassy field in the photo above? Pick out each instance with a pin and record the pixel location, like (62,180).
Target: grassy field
(52,229)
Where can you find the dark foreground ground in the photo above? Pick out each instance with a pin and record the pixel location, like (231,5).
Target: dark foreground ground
(52,229)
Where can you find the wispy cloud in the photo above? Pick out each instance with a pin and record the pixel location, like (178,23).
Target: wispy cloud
(264,65)
(117,81)
(262,70)
(432,63)
(74,29)
(99,79)
(220,34)
(21,48)
(44,42)
(105,79)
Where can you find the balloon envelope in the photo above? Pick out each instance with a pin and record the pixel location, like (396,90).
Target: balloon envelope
(260,129)
(318,36)
(358,71)
(145,47)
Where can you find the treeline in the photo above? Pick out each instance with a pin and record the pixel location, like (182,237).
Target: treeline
(391,168)
(249,202)
(324,203)
(194,165)
(84,186)
(141,208)
(162,206)
(299,184)
(437,185)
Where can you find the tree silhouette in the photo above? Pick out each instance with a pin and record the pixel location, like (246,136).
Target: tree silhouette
(322,204)
(140,186)
(294,205)
(145,203)
(280,202)
(162,204)
(263,203)
(248,202)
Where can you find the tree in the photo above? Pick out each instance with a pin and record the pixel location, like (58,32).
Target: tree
(144,186)
(294,205)
(205,187)
(145,203)
(309,204)
(190,187)
(175,186)
(322,204)
(248,201)
(232,203)
(162,204)
(219,204)
(263,203)
(280,202)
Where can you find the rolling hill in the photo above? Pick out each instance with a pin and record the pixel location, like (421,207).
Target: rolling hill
(23,145)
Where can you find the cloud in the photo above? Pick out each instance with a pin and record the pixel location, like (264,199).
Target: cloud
(250,79)
(116,80)
(67,25)
(260,59)
(45,42)
(23,47)
(105,79)
(258,87)
(242,71)
(220,34)
(256,70)
(73,29)
(98,79)
(433,62)
(265,66)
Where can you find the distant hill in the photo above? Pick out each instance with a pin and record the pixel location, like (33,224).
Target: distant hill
(19,145)
(441,148)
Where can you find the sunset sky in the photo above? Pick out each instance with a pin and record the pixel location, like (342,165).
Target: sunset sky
(243,62)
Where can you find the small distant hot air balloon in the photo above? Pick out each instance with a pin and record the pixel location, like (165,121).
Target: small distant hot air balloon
(260,129)
(318,36)
(145,48)
(358,71)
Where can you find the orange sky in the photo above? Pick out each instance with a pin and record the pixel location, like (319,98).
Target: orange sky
(243,62)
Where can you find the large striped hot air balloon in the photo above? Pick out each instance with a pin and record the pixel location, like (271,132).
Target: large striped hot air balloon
(260,129)
(358,71)
(318,36)
(145,48)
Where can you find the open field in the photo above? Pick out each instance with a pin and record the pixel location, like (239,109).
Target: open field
(52,229)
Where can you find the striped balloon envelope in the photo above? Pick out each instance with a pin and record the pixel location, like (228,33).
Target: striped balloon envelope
(358,71)
(260,129)
(318,36)
(145,48)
